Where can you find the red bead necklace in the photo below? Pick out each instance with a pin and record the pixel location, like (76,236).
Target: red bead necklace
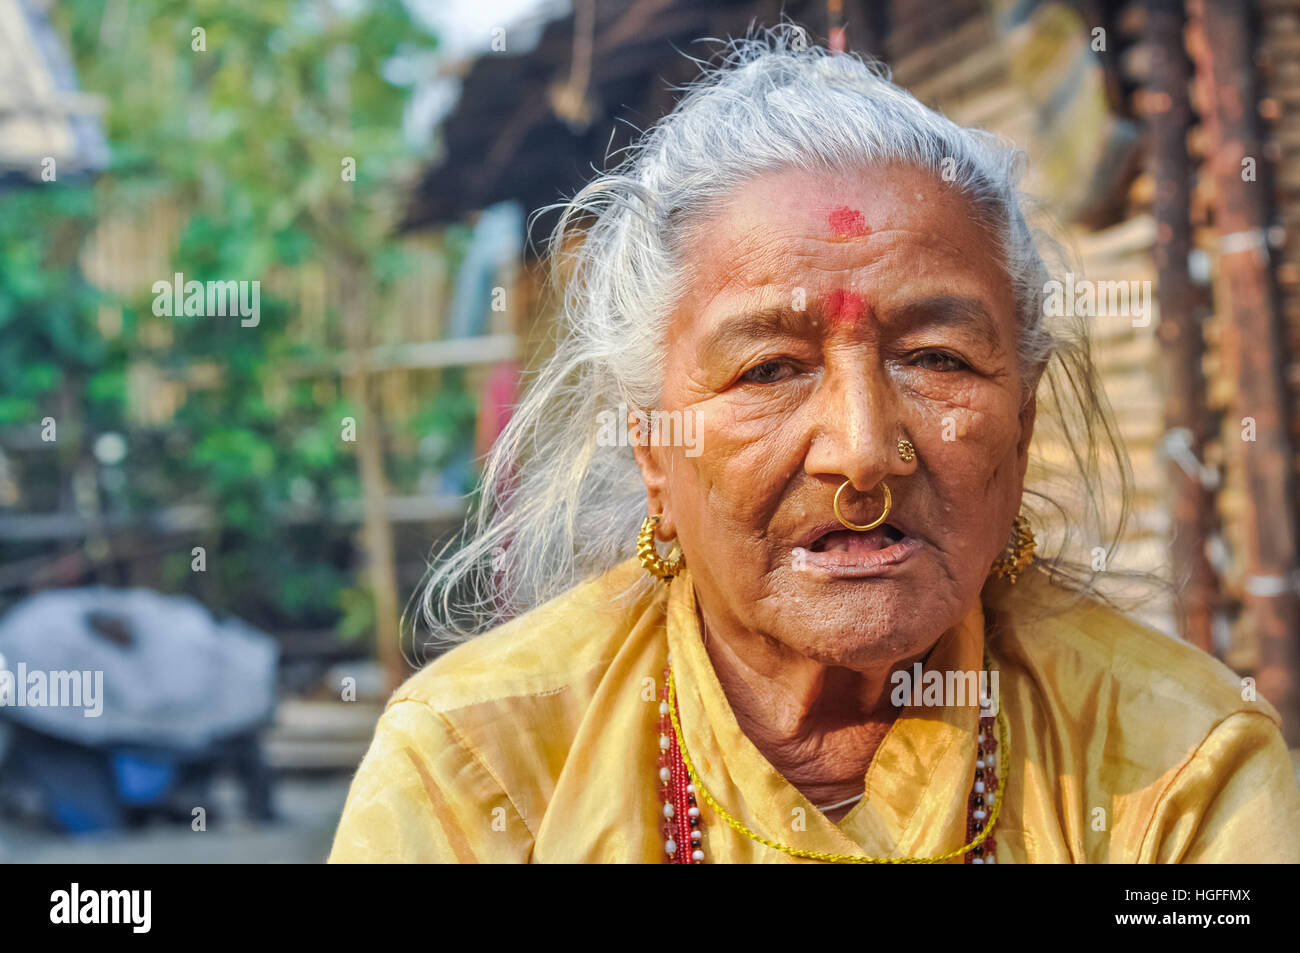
(683,835)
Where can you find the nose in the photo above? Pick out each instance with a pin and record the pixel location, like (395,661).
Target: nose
(855,429)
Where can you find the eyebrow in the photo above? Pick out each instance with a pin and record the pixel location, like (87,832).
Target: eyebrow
(958,311)
(749,327)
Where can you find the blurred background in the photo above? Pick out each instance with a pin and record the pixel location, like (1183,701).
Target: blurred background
(226,514)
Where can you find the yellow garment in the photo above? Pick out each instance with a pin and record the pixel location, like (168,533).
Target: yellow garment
(539,742)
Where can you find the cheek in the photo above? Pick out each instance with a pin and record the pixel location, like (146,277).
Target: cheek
(751,430)
(749,418)
(971,442)
(736,481)
(739,472)
(962,412)
(971,456)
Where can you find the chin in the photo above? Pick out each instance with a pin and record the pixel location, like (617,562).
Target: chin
(864,642)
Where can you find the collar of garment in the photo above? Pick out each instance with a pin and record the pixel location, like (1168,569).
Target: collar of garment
(914,793)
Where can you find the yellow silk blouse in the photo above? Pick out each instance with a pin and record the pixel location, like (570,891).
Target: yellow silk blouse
(538,741)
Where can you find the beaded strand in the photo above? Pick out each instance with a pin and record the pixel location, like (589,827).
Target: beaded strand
(983,793)
(681,815)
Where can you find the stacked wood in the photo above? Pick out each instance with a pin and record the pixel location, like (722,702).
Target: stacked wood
(1254,346)
(1169,116)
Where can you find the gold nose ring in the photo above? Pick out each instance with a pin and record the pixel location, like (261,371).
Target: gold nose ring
(863,527)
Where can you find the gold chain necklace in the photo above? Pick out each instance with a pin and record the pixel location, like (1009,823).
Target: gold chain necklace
(696,786)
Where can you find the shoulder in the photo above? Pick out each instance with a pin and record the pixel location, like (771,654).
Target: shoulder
(1121,706)
(466,755)
(1149,727)
(1080,649)
(553,647)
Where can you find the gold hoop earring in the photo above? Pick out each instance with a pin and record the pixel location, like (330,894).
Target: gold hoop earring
(906,450)
(1020,552)
(863,527)
(655,564)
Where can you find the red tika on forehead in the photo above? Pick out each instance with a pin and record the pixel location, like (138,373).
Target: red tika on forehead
(847,222)
(843,307)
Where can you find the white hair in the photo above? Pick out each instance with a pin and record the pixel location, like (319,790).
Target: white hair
(557,507)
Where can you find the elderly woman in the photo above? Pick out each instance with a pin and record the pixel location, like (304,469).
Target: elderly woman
(803,335)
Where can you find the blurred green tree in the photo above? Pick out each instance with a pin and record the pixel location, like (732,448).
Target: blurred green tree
(276,127)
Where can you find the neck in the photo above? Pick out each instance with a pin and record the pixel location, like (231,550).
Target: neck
(819,725)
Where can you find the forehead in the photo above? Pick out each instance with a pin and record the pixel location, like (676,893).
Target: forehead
(888,231)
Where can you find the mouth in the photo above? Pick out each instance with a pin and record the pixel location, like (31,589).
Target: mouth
(851,541)
(845,552)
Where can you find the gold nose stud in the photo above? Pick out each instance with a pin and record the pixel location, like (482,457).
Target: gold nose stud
(906,450)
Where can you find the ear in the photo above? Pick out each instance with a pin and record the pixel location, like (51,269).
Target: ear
(655,478)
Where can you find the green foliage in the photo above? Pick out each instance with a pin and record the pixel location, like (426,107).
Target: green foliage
(248,137)
(449,420)
(358,606)
(47,308)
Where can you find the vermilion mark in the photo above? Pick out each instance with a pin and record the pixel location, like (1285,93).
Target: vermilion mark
(847,222)
(843,307)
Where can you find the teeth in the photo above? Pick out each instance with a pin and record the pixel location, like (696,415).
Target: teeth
(848,541)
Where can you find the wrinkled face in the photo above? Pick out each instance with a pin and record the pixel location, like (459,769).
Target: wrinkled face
(827,316)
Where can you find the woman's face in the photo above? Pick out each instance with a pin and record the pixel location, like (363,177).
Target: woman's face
(825,317)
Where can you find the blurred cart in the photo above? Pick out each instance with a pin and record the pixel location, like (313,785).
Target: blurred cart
(122,705)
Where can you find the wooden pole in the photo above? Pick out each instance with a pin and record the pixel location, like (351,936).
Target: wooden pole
(1253,343)
(377,532)
(1168,112)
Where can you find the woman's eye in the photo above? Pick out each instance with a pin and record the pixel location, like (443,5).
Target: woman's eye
(940,361)
(766,373)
